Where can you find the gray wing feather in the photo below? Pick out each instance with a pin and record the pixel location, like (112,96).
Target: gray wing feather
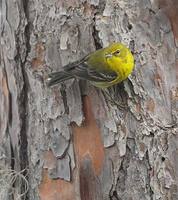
(81,70)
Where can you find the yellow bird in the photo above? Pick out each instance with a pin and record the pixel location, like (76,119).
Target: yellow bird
(103,68)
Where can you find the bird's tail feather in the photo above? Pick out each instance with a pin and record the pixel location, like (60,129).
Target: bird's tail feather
(57,77)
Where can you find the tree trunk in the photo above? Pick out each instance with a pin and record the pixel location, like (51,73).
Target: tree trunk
(64,143)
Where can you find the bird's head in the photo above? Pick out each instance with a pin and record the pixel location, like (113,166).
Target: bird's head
(117,50)
(120,58)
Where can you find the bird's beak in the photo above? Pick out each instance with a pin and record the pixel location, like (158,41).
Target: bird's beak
(108,55)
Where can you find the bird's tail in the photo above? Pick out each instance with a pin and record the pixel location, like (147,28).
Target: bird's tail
(57,77)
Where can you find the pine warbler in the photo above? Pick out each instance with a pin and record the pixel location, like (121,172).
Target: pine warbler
(103,68)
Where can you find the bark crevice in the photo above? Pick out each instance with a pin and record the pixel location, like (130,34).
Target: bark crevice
(23,106)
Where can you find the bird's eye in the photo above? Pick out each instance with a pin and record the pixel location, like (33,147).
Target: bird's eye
(117,52)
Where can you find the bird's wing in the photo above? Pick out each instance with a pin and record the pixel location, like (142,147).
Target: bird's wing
(81,70)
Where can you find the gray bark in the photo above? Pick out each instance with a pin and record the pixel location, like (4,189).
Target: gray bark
(70,146)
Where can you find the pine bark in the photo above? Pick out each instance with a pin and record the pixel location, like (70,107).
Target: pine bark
(71,144)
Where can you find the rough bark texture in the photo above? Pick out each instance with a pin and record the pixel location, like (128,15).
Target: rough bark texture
(83,147)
